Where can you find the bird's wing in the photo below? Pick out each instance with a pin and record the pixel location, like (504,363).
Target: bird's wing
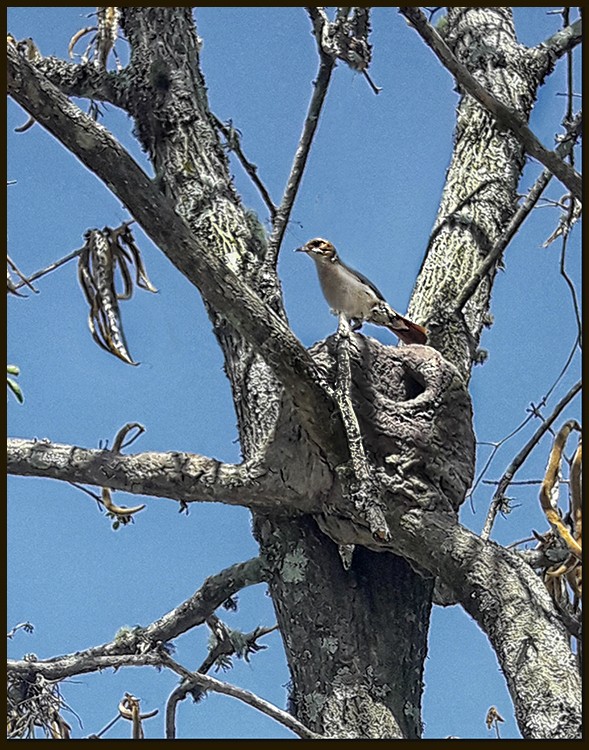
(364,279)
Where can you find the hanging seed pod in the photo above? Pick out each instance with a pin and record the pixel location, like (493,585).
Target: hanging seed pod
(103,252)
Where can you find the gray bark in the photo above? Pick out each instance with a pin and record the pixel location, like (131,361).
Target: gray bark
(356,638)
(480,193)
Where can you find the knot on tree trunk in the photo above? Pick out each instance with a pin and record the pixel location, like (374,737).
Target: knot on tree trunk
(415,419)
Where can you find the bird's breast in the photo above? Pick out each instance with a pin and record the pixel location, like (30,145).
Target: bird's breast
(344,292)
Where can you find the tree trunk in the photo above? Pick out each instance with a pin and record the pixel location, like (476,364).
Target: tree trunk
(377,691)
(355,639)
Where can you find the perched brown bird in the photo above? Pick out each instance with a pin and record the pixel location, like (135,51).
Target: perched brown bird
(352,294)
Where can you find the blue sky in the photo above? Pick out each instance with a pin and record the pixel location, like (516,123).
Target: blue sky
(372,187)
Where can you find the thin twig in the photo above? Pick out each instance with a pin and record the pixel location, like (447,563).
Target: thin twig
(320,87)
(22,277)
(522,424)
(517,462)
(233,144)
(567,278)
(210,683)
(225,646)
(563,149)
(52,267)
(501,112)
(26,626)
(522,481)
(110,724)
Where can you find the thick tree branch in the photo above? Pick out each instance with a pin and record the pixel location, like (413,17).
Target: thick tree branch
(511,605)
(504,115)
(193,612)
(544,55)
(185,477)
(85,80)
(265,331)
(563,150)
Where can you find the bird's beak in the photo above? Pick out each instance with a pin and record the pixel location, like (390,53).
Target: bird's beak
(300,250)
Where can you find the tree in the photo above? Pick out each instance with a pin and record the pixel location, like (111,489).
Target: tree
(356,456)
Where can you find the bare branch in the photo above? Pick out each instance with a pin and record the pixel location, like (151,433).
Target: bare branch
(320,86)
(545,54)
(51,267)
(210,683)
(567,278)
(154,659)
(563,150)
(224,648)
(26,626)
(193,612)
(24,281)
(255,321)
(504,115)
(86,81)
(517,462)
(185,477)
(232,141)
(214,591)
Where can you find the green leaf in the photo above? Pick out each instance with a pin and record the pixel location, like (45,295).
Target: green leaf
(15,388)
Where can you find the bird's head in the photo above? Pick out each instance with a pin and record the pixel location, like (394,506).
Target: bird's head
(319,249)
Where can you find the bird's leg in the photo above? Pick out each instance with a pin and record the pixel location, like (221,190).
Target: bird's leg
(356,324)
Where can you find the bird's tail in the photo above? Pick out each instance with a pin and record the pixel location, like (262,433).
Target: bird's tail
(408,331)
(382,314)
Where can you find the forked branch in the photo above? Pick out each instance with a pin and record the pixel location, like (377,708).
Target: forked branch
(503,114)
(261,327)
(193,612)
(518,461)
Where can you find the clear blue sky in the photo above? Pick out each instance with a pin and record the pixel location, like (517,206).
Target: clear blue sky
(372,187)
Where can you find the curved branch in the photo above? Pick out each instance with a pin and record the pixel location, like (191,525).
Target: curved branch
(502,113)
(225,688)
(185,477)
(193,612)
(224,290)
(511,605)
(215,590)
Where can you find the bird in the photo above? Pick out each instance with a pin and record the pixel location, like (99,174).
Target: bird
(349,292)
